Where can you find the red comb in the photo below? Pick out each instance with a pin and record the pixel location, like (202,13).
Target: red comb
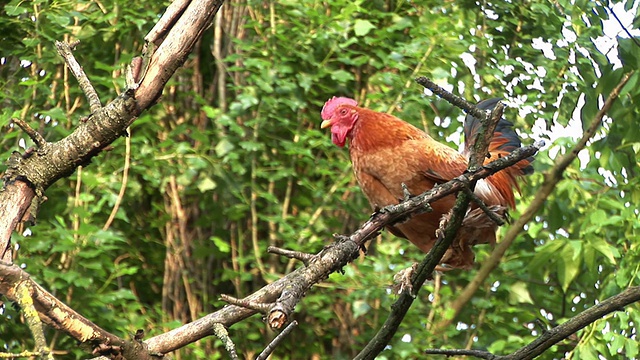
(331,105)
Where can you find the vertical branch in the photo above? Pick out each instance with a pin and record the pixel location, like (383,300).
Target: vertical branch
(23,293)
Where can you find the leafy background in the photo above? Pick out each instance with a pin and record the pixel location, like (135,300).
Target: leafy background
(232,160)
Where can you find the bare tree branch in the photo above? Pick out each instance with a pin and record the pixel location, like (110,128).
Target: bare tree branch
(106,124)
(51,310)
(34,135)
(480,354)
(298,255)
(65,50)
(451,98)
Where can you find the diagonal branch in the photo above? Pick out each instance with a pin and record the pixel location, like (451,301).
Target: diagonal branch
(65,50)
(551,179)
(558,333)
(51,310)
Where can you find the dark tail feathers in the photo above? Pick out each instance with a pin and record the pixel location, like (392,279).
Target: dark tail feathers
(505,139)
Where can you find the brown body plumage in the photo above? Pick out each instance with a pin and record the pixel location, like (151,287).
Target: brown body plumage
(387,152)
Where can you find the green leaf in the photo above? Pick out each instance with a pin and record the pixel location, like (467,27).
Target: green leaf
(568,266)
(360,307)
(629,52)
(363,27)
(224,147)
(609,251)
(631,348)
(206,184)
(518,293)
(341,76)
(221,244)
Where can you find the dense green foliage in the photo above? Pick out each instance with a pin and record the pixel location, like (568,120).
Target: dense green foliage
(232,160)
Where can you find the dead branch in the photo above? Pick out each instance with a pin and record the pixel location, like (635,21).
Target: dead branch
(65,50)
(249,304)
(490,214)
(332,258)
(51,310)
(34,135)
(298,255)
(451,98)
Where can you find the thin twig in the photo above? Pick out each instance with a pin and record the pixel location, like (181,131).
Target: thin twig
(259,307)
(480,354)
(123,185)
(291,254)
(277,340)
(451,98)
(90,93)
(221,333)
(34,135)
(621,24)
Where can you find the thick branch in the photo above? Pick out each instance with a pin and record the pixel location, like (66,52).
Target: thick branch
(551,179)
(52,311)
(106,124)
(178,30)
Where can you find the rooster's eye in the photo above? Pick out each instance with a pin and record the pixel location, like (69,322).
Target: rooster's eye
(343,112)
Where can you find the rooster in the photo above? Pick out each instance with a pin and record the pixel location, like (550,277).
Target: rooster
(388,154)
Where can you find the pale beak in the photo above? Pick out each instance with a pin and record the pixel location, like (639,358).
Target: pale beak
(325,124)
